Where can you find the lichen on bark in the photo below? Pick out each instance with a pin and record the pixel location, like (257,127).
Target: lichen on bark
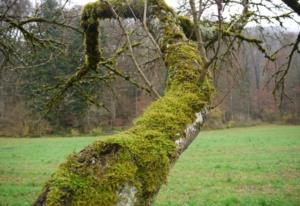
(129,168)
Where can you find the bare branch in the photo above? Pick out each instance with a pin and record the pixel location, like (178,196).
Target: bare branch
(281,74)
(131,52)
(198,32)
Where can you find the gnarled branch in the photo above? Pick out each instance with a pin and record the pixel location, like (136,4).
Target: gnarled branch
(129,168)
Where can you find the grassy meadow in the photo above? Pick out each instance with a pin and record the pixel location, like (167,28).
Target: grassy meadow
(242,166)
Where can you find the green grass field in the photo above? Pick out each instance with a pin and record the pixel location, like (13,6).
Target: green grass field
(243,166)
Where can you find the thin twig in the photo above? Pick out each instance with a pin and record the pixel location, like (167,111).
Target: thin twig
(131,51)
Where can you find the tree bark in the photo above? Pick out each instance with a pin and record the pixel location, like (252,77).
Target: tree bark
(129,168)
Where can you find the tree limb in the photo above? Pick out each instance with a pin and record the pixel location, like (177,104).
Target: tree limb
(129,168)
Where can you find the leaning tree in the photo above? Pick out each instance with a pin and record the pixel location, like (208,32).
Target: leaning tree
(129,168)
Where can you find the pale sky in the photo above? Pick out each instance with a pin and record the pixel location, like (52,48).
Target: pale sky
(172,3)
(289,24)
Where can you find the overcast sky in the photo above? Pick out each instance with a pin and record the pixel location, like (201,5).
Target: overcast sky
(82,2)
(291,25)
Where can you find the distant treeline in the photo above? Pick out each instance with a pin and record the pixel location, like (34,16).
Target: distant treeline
(244,96)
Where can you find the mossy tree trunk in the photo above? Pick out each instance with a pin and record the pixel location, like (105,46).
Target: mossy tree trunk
(129,168)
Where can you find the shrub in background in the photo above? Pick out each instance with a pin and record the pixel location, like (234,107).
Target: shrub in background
(97,131)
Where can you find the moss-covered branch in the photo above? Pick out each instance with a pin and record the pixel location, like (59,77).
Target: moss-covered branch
(129,168)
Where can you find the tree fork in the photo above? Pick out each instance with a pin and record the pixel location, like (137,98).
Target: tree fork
(129,168)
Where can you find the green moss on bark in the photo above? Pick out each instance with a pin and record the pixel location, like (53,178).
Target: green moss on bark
(139,158)
(93,176)
(188,27)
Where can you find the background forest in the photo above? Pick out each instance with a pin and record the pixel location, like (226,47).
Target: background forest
(29,77)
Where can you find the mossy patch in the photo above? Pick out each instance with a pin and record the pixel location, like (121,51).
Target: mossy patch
(93,176)
(140,157)
(188,27)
